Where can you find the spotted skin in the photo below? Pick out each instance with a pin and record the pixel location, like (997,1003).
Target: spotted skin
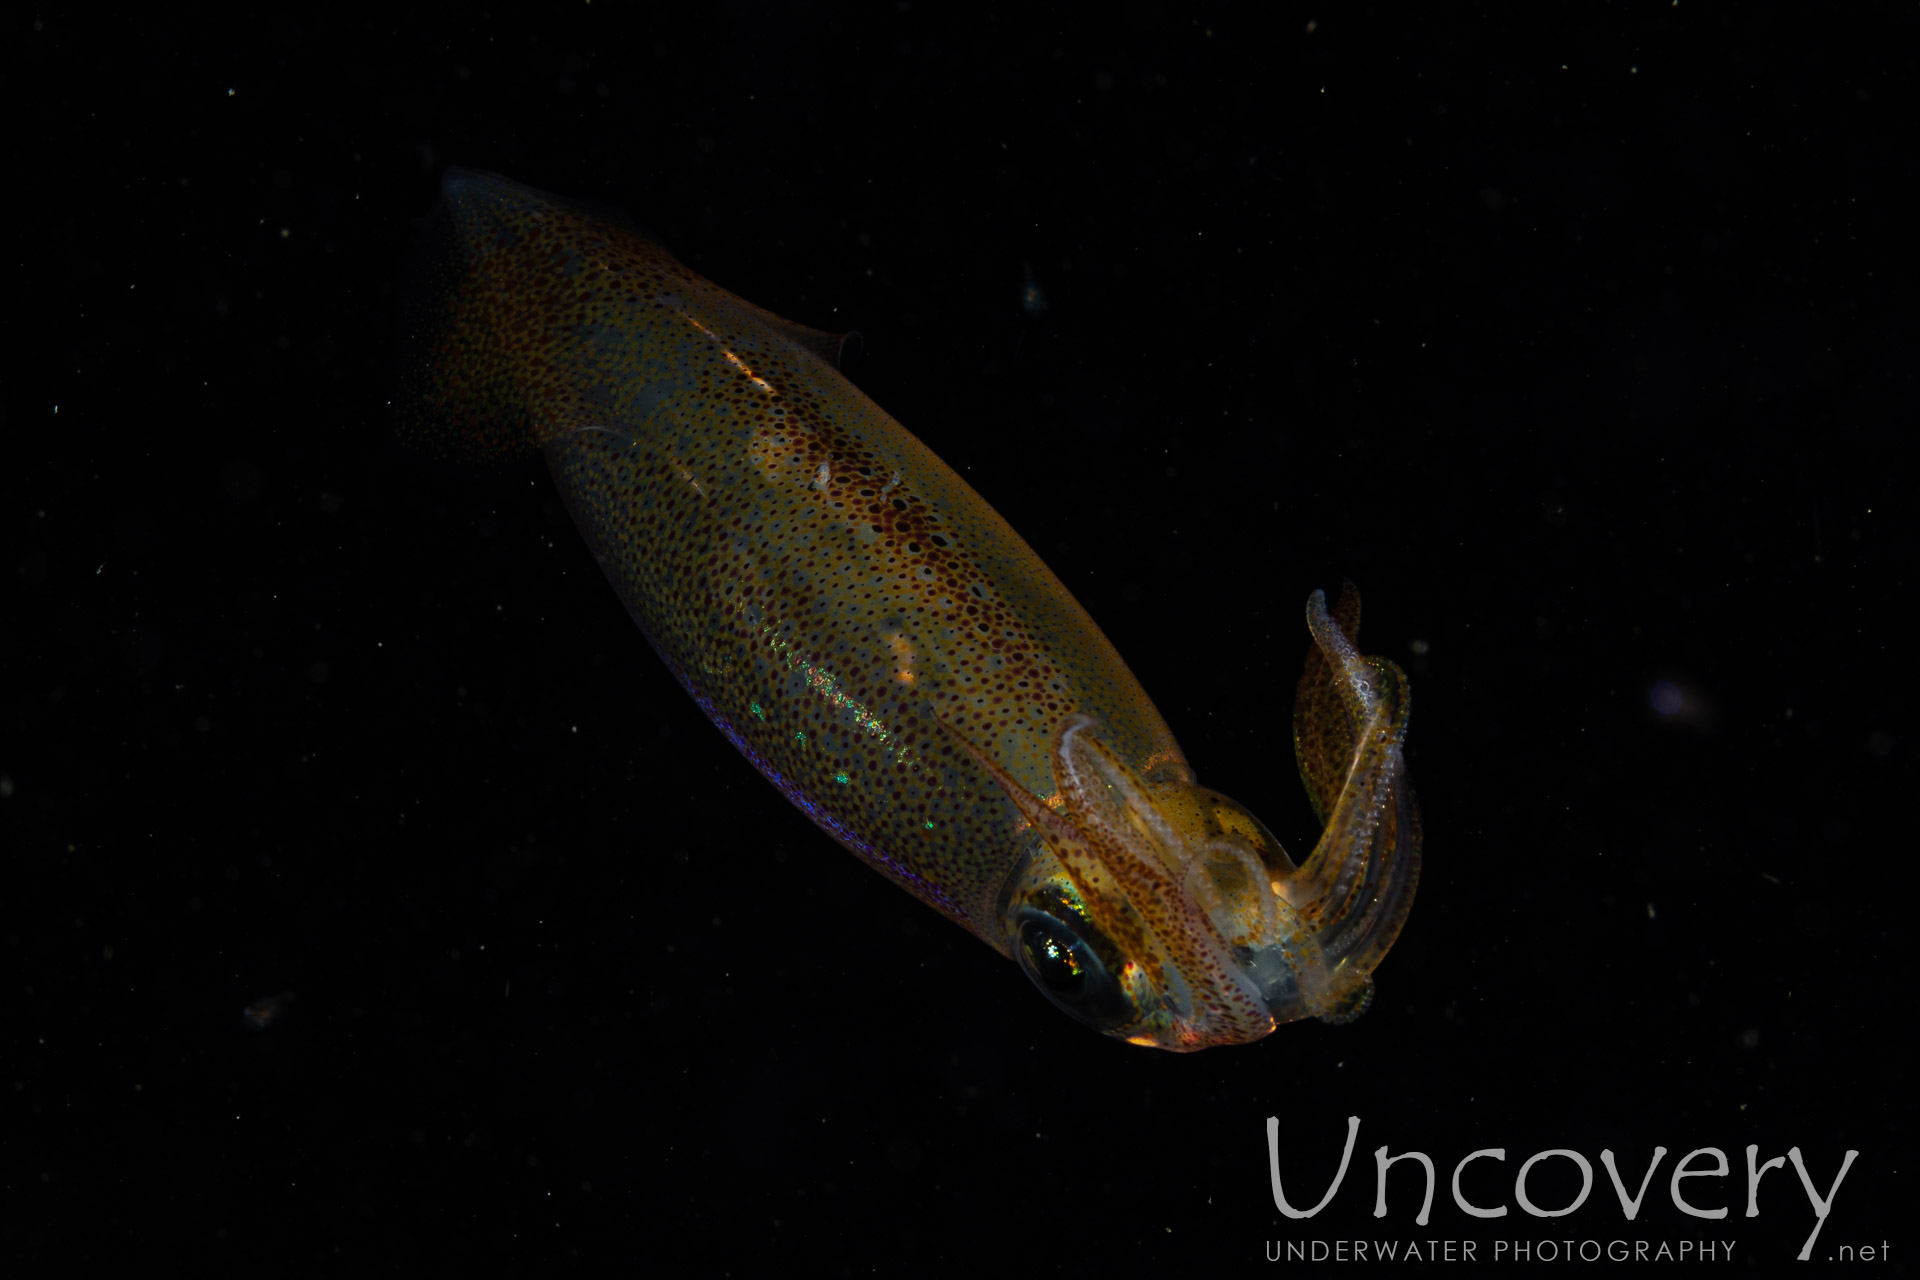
(861,625)
(821,584)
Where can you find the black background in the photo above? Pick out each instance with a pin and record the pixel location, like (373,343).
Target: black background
(1581,345)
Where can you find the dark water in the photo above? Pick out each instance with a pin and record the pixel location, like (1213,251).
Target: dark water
(377,898)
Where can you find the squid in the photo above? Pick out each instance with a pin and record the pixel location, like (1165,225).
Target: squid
(888,652)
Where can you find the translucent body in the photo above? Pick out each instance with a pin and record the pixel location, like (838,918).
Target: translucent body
(888,652)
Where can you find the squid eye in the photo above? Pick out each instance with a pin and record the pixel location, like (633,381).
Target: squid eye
(1069,971)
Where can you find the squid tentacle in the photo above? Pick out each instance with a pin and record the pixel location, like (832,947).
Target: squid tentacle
(1223,937)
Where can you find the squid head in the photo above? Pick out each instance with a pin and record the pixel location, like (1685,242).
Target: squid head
(1161,912)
